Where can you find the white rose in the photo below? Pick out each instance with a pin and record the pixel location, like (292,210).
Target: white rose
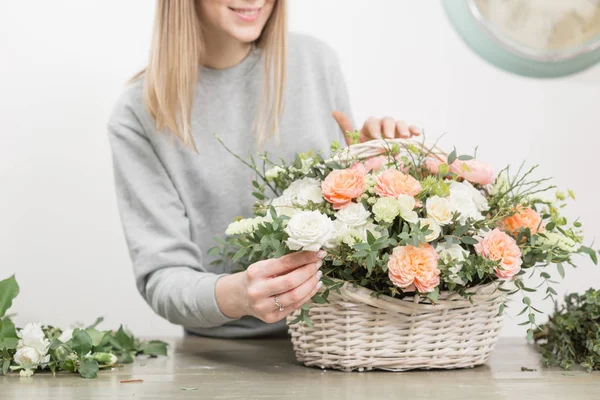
(452,253)
(440,209)
(354,214)
(30,355)
(284,206)
(476,197)
(339,230)
(386,209)
(273,173)
(407,206)
(308,230)
(433,227)
(304,190)
(463,203)
(33,336)
(66,335)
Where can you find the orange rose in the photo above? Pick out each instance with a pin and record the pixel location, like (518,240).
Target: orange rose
(393,183)
(498,246)
(412,267)
(343,185)
(524,217)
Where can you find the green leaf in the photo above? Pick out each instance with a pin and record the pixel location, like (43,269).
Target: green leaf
(433,296)
(319,299)
(307,320)
(452,156)
(126,358)
(561,270)
(258,195)
(124,339)
(239,254)
(550,226)
(590,252)
(9,289)
(370,238)
(532,318)
(256,185)
(465,158)
(88,368)
(5,366)
(81,342)
(214,251)
(95,335)
(154,348)
(501,309)
(96,323)
(468,240)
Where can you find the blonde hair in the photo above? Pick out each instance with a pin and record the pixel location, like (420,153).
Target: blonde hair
(172,71)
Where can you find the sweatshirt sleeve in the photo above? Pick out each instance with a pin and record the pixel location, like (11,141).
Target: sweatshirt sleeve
(167,264)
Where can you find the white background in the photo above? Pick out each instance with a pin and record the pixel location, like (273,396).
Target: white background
(63,63)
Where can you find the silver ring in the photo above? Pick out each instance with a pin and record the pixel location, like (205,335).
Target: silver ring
(278,304)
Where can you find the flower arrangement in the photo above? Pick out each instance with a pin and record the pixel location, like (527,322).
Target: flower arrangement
(403,218)
(81,350)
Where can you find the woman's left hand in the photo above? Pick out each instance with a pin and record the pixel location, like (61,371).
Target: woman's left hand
(376,128)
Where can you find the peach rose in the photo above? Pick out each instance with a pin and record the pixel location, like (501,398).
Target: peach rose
(524,217)
(497,245)
(432,164)
(360,167)
(412,267)
(343,185)
(393,183)
(375,163)
(478,171)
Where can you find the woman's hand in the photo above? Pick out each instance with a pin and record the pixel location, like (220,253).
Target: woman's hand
(295,278)
(376,128)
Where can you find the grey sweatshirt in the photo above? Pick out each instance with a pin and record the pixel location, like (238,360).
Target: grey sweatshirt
(173,201)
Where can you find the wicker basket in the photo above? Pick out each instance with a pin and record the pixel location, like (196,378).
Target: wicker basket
(357,331)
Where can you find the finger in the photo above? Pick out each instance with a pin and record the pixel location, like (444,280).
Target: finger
(291,280)
(371,129)
(402,129)
(389,127)
(344,123)
(289,262)
(279,315)
(306,299)
(295,295)
(414,130)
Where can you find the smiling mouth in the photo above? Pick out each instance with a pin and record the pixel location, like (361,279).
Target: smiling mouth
(246,13)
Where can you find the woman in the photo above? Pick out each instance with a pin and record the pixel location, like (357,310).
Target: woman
(225,67)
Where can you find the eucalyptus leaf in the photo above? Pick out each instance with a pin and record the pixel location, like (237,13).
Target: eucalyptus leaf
(88,368)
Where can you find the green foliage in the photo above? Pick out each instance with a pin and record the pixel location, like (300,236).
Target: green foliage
(88,350)
(572,334)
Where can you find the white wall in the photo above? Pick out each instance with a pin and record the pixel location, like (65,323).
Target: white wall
(63,63)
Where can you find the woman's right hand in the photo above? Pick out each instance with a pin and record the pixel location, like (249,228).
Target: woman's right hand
(295,278)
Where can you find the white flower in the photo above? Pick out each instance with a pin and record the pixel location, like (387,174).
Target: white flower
(541,197)
(476,196)
(66,335)
(559,240)
(439,209)
(273,173)
(243,226)
(453,257)
(354,214)
(26,373)
(33,336)
(461,200)
(30,355)
(433,227)
(306,164)
(407,206)
(284,206)
(386,209)
(356,235)
(339,229)
(450,254)
(304,190)
(501,185)
(308,230)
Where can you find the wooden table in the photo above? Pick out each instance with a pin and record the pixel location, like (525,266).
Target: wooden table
(266,369)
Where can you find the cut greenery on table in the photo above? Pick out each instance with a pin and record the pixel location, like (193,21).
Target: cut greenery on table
(572,334)
(81,350)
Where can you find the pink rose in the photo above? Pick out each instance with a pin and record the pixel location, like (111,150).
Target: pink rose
(375,163)
(393,183)
(477,171)
(498,246)
(432,164)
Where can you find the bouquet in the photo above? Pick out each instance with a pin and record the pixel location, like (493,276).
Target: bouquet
(82,350)
(403,218)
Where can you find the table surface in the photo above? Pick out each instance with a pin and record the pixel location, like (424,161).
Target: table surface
(266,369)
